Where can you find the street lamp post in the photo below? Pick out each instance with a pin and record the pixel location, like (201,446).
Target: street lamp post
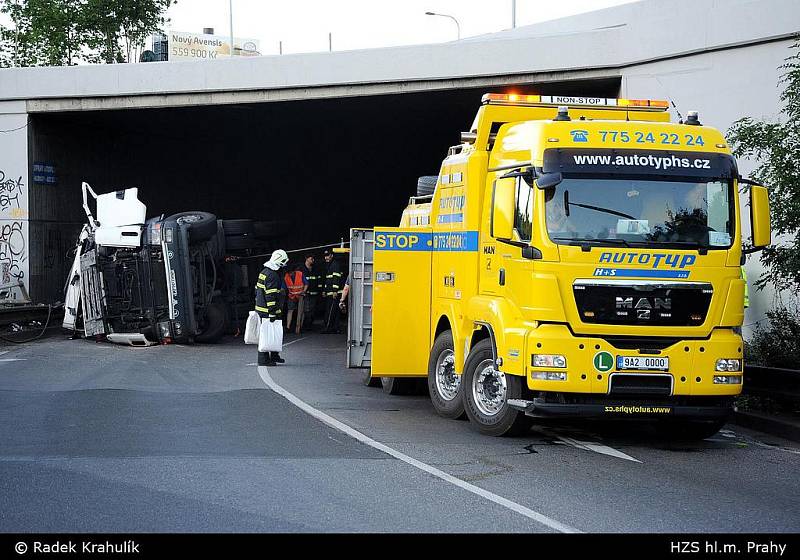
(513,14)
(458,27)
(230,10)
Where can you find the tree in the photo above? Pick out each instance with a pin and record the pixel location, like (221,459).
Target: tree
(776,149)
(65,32)
(120,27)
(6,47)
(16,45)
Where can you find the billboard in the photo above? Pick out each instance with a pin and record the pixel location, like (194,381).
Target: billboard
(196,46)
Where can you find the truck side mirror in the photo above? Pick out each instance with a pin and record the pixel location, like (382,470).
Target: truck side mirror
(759,218)
(503,206)
(548,180)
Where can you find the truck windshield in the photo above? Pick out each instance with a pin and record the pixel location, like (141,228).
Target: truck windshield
(691,213)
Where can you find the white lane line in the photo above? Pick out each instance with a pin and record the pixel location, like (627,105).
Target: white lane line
(4,352)
(296,340)
(263,371)
(597,448)
(732,434)
(776,447)
(13,359)
(287,344)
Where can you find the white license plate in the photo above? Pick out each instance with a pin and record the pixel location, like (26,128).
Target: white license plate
(642,363)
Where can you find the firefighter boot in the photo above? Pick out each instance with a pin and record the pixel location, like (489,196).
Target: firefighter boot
(265,359)
(276,358)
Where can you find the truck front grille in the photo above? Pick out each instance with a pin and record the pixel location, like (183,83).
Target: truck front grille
(623,302)
(645,384)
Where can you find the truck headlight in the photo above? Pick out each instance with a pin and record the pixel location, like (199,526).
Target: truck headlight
(549,375)
(549,360)
(727,380)
(729,364)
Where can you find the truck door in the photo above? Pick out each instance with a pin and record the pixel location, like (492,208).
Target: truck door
(401,302)
(359,319)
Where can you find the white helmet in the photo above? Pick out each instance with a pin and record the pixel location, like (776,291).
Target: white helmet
(279,258)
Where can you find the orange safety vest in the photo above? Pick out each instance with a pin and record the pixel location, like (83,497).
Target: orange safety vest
(294,284)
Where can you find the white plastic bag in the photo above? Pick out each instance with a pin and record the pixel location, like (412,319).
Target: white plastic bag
(271,337)
(252,328)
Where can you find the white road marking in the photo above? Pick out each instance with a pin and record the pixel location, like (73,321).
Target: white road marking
(263,372)
(732,434)
(4,352)
(597,448)
(287,344)
(13,359)
(776,447)
(297,340)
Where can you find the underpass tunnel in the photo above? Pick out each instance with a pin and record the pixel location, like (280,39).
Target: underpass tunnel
(324,165)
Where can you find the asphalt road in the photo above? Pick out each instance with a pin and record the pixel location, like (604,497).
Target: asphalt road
(98,437)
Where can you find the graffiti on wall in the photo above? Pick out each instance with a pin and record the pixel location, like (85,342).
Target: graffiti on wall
(13,252)
(12,196)
(15,247)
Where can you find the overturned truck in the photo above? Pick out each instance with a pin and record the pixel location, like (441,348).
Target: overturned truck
(160,280)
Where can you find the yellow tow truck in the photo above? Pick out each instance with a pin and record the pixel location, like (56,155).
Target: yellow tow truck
(578,257)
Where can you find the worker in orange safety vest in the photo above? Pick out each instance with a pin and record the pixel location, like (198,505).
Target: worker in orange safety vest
(296,288)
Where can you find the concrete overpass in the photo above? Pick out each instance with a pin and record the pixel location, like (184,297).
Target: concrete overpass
(331,140)
(602,44)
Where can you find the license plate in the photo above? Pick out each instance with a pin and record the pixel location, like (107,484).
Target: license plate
(642,363)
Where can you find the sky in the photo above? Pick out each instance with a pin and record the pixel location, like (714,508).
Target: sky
(303,25)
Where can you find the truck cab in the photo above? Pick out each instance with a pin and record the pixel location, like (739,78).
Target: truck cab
(141,281)
(581,259)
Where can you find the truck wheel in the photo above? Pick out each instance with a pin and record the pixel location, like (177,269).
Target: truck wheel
(690,430)
(443,383)
(399,385)
(368,380)
(202,226)
(216,318)
(486,391)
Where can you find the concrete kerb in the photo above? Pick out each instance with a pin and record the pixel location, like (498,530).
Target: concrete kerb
(780,426)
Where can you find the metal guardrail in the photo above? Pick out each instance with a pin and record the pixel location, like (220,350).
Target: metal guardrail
(777,383)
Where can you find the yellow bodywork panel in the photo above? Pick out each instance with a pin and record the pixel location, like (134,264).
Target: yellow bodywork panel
(416,215)
(502,224)
(691,362)
(402,296)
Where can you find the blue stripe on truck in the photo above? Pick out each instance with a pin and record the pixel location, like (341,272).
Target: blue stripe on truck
(465,241)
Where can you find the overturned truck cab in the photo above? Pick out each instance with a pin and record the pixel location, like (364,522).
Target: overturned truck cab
(151,280)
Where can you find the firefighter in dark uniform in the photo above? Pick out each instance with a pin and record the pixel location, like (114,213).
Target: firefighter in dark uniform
(269,304)
(332,290)
(312,294)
